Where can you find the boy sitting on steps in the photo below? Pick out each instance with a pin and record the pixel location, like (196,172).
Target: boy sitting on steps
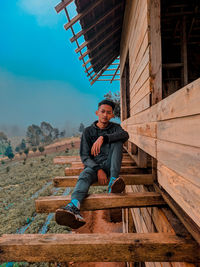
(101,154)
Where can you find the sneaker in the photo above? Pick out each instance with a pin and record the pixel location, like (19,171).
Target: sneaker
(116,185)
(69,216)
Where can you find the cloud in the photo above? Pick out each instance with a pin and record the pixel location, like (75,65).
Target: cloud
(43,10)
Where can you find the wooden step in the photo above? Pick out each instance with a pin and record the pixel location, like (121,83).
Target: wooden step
(124,170)
(129,179)
(128,163)
(101,201)
(114,247)
(75,160)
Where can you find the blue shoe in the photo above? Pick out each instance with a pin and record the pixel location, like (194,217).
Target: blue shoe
(116,185)
(69,216)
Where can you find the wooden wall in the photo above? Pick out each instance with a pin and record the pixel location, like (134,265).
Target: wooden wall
(135,41)
(169,131)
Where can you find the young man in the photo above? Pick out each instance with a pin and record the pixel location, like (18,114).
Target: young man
(101,154)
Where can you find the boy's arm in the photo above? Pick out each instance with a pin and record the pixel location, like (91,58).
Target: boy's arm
(85,153)
(119,135)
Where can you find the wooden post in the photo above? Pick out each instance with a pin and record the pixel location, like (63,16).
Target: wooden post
(155,52)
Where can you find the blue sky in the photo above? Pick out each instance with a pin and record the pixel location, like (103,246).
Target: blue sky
(41,77)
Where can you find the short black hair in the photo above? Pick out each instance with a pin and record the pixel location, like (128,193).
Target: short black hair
(107,102)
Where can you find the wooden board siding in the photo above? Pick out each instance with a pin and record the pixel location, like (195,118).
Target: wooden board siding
(135,43)
(186,194)
(169,131)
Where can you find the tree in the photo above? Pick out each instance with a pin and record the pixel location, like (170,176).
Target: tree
(9,152)
(34,135)
(26,151)
(62,133)
(81,127)
(3,143)
(55,133)
(41,149)
(17,149)
(34,149)
(115,97)
(23,144)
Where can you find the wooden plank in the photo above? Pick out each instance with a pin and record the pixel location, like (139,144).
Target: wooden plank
(97,248)
(185,130)
(81,15)
(183,192)
(182,159)
(155,50)
(62,5)
(146,129)
(141,66)
(101,201)
(103,30)
(144,90)
(189,224)
(124,170)
(69,181)
(144,76)
(146,143)
(141,105)
(97,44)
(184,102)
(96,22)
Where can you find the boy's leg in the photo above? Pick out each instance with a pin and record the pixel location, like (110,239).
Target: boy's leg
(70,215)
(113,166)
(87,177)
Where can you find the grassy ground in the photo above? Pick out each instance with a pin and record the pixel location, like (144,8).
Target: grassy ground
(20,185)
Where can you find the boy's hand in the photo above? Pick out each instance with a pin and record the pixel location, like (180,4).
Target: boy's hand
(102,177)
(95,150)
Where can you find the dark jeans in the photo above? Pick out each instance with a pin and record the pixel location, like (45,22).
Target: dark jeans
(88,176)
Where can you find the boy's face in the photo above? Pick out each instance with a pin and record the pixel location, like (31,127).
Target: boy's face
(105,113)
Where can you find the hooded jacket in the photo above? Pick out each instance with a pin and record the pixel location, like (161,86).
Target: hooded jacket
(112,133)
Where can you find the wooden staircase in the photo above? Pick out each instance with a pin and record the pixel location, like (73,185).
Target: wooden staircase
(172,246)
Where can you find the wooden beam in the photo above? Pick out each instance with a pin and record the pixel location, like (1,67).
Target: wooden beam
(62,5)
(82,14)
(100,42)
(189,224)
(129,179)
(95,23)
(115,73)
(101,52)
(101,72)
(103,30)
(124,170)
(101,201)
(114,247)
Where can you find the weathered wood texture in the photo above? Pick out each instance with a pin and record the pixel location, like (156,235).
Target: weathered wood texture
(169,131)
(101,201)
(124,170)
(97,248)
(154,219)
(129,179)
(135,44)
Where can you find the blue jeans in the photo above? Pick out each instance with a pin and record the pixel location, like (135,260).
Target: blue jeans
(88,176)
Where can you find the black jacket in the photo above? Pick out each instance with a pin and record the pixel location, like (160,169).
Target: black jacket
(112,133)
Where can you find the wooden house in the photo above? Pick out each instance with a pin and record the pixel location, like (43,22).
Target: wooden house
(155,46)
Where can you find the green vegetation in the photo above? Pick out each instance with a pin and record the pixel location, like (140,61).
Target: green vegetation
(18,184)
